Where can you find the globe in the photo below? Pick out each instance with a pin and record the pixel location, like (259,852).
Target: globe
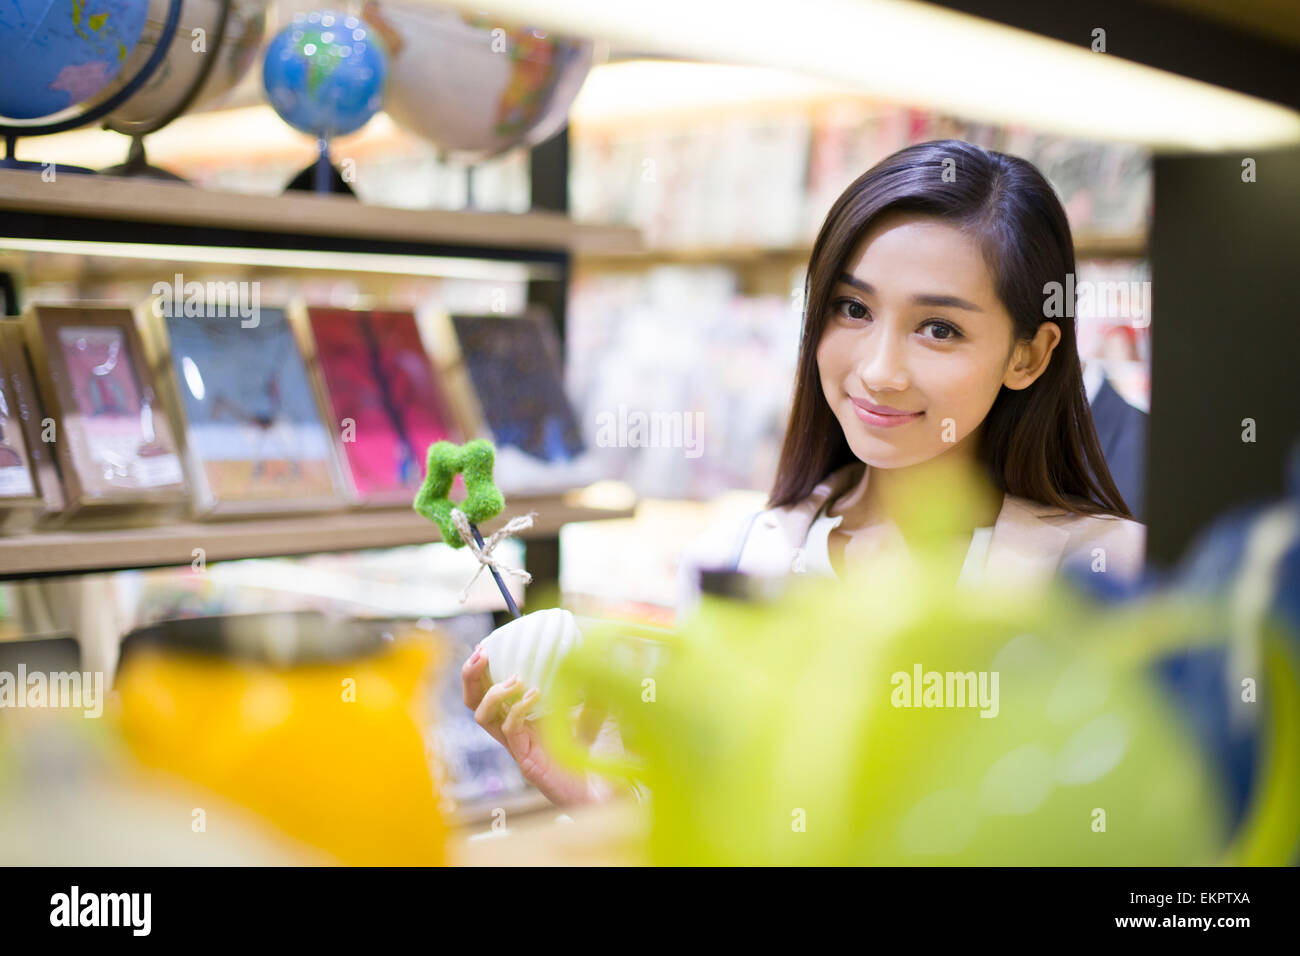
(473,86)
(324,73)
(59,54)
(171,84)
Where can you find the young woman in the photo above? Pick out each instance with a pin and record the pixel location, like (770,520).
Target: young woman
(929,339)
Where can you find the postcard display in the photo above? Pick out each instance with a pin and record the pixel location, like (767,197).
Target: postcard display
(112,439)
(24,411)
(514,367)
(254,436)
(25,471)
(384,401)
(306,409)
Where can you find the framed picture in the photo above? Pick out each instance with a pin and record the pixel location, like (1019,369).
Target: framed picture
(254,436)
(383,399)
(18,486)
(514,367)
(113,441)
(37,429)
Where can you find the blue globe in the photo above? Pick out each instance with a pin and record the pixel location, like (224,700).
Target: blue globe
(324,73)
(58,54)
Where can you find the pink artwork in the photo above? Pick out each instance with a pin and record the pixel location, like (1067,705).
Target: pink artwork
(385,401)
(117,422)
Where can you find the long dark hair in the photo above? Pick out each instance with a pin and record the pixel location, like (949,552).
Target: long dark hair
(1038,442)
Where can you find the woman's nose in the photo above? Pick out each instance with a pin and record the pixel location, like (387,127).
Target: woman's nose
(883,364)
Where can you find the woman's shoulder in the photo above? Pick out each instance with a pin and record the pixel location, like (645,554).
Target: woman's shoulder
(1121,540)
(1104,525)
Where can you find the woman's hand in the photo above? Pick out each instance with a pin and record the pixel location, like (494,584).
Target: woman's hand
(502,710)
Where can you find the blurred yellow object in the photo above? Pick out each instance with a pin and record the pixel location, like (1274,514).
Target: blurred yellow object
(331,753)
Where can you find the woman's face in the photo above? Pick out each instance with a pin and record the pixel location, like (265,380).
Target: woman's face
(917,345)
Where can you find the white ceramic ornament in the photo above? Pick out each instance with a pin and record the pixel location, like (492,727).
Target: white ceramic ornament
(532,646)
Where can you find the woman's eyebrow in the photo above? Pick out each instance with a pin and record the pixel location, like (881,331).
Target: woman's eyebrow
(950,301)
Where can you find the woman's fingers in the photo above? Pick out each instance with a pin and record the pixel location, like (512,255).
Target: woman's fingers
(474,678)
(491,710)
(518,713)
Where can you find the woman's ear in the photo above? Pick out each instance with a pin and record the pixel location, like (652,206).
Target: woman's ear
(1029,357)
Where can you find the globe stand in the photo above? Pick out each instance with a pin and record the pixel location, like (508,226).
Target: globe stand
(469,185)
(137,165)
(321,176)
(9,162)
(443,157)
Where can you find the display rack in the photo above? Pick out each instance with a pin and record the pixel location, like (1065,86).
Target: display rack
(766,269)
(71,205)
(100,215)
(1087,245)
(63,551)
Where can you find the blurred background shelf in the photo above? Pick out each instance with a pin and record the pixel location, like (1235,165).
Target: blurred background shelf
(1087,245)
(64,551)
(128,200)
(777,269)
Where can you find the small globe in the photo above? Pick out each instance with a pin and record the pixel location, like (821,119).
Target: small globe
(172,82)
(325,74)
(58,55)
(471,85)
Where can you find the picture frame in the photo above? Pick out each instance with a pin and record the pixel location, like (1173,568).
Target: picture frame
(384,401)
(38,430)
(254,437)
(114,442)
(512,363)
(19,485)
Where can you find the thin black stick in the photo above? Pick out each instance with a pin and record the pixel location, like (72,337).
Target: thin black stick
(505,592)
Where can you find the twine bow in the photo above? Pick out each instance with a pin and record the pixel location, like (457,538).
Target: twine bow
(486,559)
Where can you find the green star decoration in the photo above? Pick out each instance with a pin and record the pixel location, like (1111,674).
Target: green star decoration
(483,500)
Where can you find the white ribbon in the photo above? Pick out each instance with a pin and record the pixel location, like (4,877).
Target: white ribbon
(486,559)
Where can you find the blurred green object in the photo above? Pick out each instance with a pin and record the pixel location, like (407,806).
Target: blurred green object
(788,732)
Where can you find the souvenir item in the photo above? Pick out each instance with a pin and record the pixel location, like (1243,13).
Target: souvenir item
(514,367)
(383,400)
(254,433)
(112,439)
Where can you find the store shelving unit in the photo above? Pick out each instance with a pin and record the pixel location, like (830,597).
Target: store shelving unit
(766,269)
(141,220)
(69,551)
(1087,245)
(130,210)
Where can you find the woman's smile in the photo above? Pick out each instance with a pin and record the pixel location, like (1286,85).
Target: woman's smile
(882,416)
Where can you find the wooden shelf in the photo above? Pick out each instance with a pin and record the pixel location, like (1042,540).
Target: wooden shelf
(736,256)
(136,200)
(67,550)
(1087,245)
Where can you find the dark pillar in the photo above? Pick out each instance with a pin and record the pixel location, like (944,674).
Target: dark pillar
(1225,270)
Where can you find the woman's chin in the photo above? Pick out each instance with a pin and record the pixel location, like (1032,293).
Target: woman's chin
(880,453)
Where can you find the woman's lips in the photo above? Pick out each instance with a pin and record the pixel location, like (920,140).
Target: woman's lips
(882,416)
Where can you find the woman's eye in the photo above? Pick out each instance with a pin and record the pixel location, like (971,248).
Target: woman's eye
(943,331)
(850,308)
